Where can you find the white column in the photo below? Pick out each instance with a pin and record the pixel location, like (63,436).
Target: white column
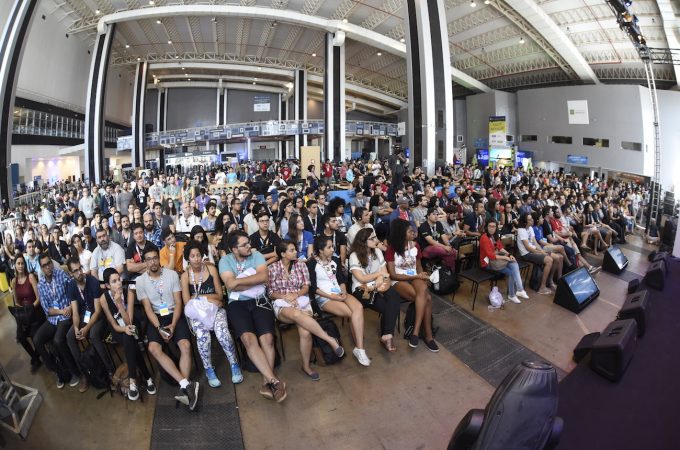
(334,96)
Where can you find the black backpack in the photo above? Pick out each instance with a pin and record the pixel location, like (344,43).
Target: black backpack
(410,322)
(324,353)
(93,369)
(448,282)
(536,276)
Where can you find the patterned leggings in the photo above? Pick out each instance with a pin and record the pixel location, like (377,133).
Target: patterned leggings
(223,337)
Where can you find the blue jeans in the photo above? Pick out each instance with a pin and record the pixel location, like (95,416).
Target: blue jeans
(514,278)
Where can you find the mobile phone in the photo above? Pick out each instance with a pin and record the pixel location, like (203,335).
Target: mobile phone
(164,332)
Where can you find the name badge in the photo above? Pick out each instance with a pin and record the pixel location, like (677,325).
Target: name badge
(86,317)
(163,310)
(233,295)
(411,272)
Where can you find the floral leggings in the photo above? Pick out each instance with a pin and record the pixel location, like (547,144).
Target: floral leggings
(223,337)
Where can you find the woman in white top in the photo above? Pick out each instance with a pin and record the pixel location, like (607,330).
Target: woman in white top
(79,249)
(411,281)
(331,293)
(371,284)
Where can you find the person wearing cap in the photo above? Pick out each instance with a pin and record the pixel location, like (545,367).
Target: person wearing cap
(403,211)
(171,253)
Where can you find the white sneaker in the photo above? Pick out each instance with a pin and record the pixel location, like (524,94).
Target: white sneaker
(514,299)
(522,294)
(360,355)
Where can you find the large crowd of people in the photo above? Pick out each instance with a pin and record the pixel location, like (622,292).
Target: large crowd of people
(175,257)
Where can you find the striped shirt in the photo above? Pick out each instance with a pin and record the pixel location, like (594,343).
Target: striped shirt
(53,294)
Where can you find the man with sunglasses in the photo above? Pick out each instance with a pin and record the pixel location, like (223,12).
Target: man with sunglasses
(83,291)
(244,273)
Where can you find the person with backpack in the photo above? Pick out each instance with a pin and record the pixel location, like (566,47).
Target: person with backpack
(125,330)
(328,288)
(83,291)
(410,280)
(289,288)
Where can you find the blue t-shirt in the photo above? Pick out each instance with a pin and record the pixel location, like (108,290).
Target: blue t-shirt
(538,232)
(307,240)
(85,298)
(228,263)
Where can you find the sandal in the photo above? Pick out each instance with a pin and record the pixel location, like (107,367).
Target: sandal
(389,345)
(314,375)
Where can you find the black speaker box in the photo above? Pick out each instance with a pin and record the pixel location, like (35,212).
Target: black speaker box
(655,277)
(614,260)
(584,346)
(576,290)
(613,350)
(663,257)
(636,307)
(633,285)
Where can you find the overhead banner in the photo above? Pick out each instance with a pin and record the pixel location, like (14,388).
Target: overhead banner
(497,131)
(578,112)
(261,103)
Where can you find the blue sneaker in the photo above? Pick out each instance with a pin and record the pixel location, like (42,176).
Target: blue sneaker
(236,375)
(213,381)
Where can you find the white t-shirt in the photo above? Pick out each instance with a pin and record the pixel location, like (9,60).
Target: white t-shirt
(525,234)
(353,230)
(101,260)
(375,264)
(326,280)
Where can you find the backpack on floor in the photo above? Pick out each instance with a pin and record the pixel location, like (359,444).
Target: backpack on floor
(93,369)
(324,353)
(448,281)
(536,275)
(410,322)
(120,382)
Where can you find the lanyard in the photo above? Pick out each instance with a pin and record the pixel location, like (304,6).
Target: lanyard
(265,241)
(158,285)
(197,287)
(330,272)
(82,296)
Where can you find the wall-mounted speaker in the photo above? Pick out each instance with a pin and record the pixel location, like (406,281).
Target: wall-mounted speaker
(614,260)
(613,350)
(576,290)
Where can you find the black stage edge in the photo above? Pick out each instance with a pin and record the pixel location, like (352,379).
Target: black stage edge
(641,410)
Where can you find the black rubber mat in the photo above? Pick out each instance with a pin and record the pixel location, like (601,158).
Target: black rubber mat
(215,423)
(481,347)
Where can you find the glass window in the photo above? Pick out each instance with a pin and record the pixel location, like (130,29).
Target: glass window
(635,146)
(560,139)
(596,142)
(528,138)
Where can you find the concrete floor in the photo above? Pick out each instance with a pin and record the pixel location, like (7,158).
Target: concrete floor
(406,400)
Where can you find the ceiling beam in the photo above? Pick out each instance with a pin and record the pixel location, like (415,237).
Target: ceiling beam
(352,31)
(540,23)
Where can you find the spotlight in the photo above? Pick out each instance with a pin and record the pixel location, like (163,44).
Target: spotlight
(139,59)
(314,55)
(97,12)
(521,40)
(170,42)
(379,53)
(158,21)
(473,4)
(487,2)
(127,45)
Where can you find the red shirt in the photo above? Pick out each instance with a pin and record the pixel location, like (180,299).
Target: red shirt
(486,249)
(556,225)
(327,170)
(285,173)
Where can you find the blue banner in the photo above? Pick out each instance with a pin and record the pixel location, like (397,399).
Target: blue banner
(577,159)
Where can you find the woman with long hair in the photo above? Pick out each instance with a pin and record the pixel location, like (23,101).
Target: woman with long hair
(201,283)
(137,216)
(285,211)
(590,229)
(289,288)
(495,257)
(126,330)
(9,252)
(170,209)
(186,191)
(330,291)
(81,223)
(303,240)
(78,249)
(27,312)
(410,280)
(199,235)
(371,283)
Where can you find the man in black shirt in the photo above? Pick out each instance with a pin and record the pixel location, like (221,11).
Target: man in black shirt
(331,225)
(312,219)
(140,195)
(236,215)
(264,240)
(434,242)
(83,291)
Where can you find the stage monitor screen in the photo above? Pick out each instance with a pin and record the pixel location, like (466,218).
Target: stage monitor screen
(581,284)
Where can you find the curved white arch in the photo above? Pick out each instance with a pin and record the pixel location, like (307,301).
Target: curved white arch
(351,31)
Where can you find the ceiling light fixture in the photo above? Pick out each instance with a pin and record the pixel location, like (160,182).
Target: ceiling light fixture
(97,12)
(402,40)
(314,55)
(189,79)
(344,20)
(158,22)
(184,68)
(186,74)
(473,4)
(127,45)
(176,56)
(254,82)
(151,3)
(170,42)
(379,53)
(487,2)
(521,40)
(139,59)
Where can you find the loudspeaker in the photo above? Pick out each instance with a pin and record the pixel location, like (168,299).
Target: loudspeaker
(633,285)
(614,260)
(584,346)
(655,277)
(576,290)
(636,307)
(660,256)
(613,350)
